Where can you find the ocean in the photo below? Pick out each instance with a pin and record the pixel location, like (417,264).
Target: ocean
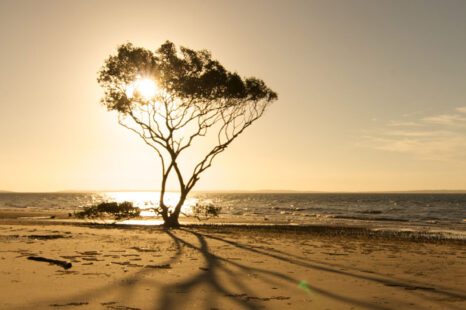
(434,212)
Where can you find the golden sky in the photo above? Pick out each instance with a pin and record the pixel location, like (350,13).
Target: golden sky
(371,93)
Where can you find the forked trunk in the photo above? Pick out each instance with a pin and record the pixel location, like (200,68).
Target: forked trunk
(170,220)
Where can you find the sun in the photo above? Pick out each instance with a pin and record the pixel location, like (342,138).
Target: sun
(145,88)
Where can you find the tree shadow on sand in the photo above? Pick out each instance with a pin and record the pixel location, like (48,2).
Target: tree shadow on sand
(223,278)
(217,268)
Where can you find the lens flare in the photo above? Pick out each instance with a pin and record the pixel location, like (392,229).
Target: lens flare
(145,88)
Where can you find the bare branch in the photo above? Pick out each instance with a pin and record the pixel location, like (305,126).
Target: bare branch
(146,141)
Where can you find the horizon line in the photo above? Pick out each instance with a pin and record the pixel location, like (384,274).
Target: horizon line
(277,191)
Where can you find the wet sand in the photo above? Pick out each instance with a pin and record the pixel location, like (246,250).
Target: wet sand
(228,267)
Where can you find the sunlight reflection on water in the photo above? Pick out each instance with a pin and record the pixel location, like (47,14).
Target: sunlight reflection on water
(141,222)
(149,200)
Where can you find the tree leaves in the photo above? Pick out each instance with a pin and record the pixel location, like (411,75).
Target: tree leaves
(188,74)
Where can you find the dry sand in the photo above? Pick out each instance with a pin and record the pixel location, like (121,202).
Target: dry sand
(224,268)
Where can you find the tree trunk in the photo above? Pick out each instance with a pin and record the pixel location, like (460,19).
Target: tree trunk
(164,215)
(171,221)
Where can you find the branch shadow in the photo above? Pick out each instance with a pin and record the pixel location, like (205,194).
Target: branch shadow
(389,280)
(217,264)
(223,277)
(376,277)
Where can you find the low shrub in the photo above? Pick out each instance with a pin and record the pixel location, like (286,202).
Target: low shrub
(204,211)
(115,210)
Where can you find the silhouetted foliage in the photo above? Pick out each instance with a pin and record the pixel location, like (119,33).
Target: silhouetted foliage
(114,210)
(203,211)
(196,94)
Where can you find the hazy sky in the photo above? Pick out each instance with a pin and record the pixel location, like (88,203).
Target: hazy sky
(371,93)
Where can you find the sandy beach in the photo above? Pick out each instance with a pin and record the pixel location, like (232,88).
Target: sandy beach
(224,267)
(229,155)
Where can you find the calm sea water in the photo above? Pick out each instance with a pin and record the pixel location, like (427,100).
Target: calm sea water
(443,211)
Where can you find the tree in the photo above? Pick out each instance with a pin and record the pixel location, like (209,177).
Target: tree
(171,97)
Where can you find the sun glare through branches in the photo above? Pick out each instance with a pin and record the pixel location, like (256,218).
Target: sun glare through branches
(145,88)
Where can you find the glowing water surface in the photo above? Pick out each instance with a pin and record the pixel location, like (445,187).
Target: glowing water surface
(437,213)
(147,201)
